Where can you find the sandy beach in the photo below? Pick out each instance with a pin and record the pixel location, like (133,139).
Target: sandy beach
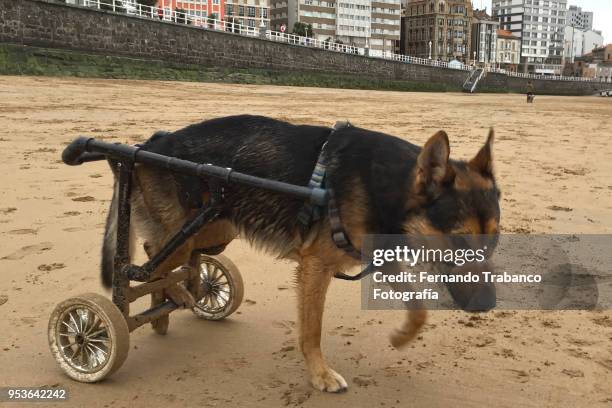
(553,164)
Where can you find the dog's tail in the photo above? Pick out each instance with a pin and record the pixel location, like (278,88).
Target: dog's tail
(109,245)
(412,325)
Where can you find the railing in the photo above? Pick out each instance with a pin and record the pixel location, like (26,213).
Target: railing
(178,17)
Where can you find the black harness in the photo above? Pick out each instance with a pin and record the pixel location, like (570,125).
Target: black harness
(310,214)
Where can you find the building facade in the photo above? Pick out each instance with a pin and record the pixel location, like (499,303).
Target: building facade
(541,26)
(437,29)
(580,19)
(372,24)
(250,13)
(508,55)
(484,38)
(385,26)
(198,9)
(580,42)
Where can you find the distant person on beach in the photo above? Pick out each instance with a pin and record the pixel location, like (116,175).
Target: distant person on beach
(530,92)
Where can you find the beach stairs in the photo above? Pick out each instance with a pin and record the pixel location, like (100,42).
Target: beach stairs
(471,82)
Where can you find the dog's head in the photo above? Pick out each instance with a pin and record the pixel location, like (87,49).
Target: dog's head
(457,201)
(453,197)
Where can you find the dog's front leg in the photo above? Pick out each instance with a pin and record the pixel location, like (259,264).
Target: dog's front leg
(313,280)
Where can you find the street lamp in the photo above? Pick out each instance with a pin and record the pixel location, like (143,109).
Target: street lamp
(430,49)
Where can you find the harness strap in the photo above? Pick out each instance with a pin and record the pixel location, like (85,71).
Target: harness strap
(339,235)
(310,213)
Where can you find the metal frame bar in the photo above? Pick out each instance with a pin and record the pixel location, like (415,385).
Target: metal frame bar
(123,157)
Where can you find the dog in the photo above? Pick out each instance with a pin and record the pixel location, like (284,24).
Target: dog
(382,185)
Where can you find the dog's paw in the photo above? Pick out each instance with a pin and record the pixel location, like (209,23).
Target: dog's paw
(329,381)
(181,296)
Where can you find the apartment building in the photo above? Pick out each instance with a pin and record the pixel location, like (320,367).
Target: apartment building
(320,14)
(198,10)
(579,42)
(250,13)
(484,38)
(373,24)
(508,55)
(541,26)
(385,25)
(437,29)
(580,19)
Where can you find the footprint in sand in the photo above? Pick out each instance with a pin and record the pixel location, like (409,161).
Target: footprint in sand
(51,267)
(3,299)
(29,250)
(83,199)
(24,231)
(74,229)
(559,208)
(7,210)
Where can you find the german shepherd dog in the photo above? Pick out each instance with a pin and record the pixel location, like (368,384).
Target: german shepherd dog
(382,185)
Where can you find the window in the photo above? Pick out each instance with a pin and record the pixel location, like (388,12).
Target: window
(241,10)
(251,11)
(229,9)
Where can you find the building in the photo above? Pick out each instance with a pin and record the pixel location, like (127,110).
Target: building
(579,42)
(437,29)
(199,11)
(508,55)
(385,26)
(320,14)
(484,38)
(541,26)
(372,24)
(250,13)
(602,54)
(596,64)
(580,19)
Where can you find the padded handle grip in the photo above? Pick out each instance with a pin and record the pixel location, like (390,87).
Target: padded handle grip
(73,153)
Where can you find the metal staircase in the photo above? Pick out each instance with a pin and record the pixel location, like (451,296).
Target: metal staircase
(472,81)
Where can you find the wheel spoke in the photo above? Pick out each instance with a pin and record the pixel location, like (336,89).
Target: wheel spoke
(77,352)
(90,321)
(204,272)
(218,278)
(93,357)
(76,325)
(103,340)
(86,360)
(213,278)
(98,349)
(69,345)
(97,333)
(72,329)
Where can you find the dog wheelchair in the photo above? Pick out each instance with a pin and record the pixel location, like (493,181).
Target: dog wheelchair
(89,334)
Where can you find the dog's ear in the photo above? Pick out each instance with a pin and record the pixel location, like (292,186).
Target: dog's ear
(483,161)
(432,169)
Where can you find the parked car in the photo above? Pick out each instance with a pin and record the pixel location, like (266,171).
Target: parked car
(606,93)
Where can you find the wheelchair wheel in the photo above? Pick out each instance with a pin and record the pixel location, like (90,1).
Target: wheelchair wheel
(222,288)
(88,337)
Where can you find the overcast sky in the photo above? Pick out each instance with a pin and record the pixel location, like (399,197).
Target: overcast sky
(602,13)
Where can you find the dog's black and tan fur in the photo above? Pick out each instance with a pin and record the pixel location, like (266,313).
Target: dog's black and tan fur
(383,185)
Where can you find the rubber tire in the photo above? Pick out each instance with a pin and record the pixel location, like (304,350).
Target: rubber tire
(118,332)
(234,278)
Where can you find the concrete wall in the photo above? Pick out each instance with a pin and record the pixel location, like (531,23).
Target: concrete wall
(45,23)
